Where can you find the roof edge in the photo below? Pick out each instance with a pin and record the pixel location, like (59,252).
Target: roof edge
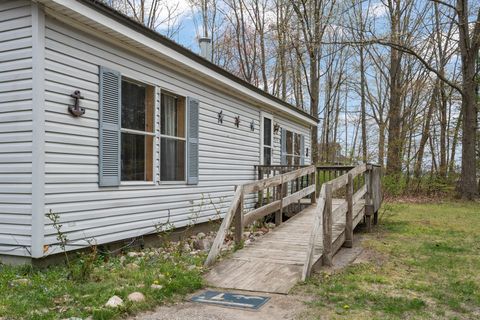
(127,21)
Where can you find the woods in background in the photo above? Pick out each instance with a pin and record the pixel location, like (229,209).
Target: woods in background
(392,81)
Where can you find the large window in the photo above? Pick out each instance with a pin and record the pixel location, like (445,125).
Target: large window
(293,148)
(267,141)
(172,138)
(137,131)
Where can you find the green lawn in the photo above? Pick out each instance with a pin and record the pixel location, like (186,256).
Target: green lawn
(53,294)
(424,264)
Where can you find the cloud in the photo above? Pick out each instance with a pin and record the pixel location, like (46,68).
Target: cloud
(377,10)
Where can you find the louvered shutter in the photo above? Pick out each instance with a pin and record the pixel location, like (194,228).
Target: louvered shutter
(192,141)
(110,113)
(302,149)
(283,147)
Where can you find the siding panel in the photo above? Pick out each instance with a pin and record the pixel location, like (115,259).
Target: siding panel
(15,127)
(227,154)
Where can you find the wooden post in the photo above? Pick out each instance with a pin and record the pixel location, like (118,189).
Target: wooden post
(368,198)
(313,196)
(239,221)
(327,226)
(349,216)
(279,213)
(260,193)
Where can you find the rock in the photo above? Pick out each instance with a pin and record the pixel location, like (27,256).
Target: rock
(201,235)
(132,254)
(122,259)
(191,267)
(136,297)
(20,282)
(186,247)
(198,244)
(156,286)
(151,254)
(132,266)
(247,242)
(114,302)
(246,234)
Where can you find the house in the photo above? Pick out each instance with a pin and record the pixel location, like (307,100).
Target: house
(117,129)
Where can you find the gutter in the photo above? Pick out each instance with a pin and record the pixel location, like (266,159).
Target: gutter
(130,23)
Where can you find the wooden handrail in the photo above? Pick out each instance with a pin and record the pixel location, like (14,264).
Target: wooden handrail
(324,215)
(277,180)
(217,243)
(236,207)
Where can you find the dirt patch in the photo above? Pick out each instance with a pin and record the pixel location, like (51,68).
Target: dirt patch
(285,307)
(278,307)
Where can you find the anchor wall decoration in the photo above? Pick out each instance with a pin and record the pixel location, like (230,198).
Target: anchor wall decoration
(76,110)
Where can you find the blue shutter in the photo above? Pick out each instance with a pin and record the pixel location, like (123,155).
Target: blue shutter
(283,147)
(110,113)
(192,141)
(302,149)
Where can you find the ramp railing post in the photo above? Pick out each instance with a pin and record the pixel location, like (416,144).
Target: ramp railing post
(327,226)
(239,221)
(349,215)
(368,198)
(279,213)
(313,180)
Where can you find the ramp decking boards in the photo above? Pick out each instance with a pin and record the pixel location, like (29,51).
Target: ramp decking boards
(274,262)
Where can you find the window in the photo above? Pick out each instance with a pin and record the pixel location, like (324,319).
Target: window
(172,138)
(267,141)
(137,135)
(293,148)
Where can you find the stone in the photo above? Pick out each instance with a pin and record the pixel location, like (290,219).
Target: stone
(156,286)
(136,297)
(122,259)
(132,254)
(270,225)
(20,282)
(191,267)
(246,234)
(201,235)
(198,244)
(114,302)
(132,266)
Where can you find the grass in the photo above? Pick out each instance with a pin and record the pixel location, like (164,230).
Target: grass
(424,263)
(53,294)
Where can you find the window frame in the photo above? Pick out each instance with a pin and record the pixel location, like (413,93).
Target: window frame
(264,115)
(160,136)
(293,155)
(153,134)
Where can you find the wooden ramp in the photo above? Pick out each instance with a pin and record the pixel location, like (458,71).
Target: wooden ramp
(274,263)
(278,260)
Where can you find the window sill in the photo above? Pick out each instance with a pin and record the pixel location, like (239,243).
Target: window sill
(137,183)
(172,182)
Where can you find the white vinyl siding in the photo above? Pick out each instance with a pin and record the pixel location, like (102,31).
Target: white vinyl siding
(15,127)
(227,154)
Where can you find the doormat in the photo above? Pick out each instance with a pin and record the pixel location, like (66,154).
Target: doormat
(231,300)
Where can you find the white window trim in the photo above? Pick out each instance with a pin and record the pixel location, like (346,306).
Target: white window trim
(143,133)
(295,132)
(267,115)
(160,136)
